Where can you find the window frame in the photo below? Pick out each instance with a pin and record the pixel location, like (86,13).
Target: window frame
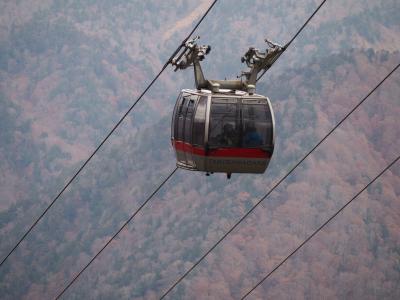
(188,138)
(174,116)
(201,120)
(237,120)
(268,122)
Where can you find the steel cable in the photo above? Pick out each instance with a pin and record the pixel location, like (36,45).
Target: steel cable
(275,186)
(107,137)
(116,234)
(319,229)
(130,219)
(297,33)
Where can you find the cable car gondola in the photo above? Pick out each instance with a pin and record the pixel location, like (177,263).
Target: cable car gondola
(223,126)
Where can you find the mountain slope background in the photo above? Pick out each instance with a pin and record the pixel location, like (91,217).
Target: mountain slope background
(70,69)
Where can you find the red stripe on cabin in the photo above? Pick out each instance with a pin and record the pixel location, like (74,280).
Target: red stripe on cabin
(222,152)
(186,147)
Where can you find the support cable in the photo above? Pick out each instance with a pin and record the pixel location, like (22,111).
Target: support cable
(107,137)
(319,229)
(297,33)
(275,186)
(148,199)
(116,234)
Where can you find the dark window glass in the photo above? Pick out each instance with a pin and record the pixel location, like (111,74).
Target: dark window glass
(199,122)
(224,123)
(174,125)
(257,125)
(181,118)
(188,119)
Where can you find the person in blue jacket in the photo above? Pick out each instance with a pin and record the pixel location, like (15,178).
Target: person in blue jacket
(251,137)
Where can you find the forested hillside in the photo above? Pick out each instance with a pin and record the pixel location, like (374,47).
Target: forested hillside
(70,69)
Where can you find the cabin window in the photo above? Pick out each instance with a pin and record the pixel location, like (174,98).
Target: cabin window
(199,122)
(224,123)
(174,126)
(188,119)
(180,118)
(257,125)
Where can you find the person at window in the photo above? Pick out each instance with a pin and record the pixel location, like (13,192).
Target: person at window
(228,136)
(251,137)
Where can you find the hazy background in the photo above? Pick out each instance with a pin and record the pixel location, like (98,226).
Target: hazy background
(70,69)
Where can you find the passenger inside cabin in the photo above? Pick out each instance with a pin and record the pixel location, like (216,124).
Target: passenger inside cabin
(251,137)
(229,136)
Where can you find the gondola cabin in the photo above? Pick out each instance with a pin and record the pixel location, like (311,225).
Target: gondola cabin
(222,125)
(228,131)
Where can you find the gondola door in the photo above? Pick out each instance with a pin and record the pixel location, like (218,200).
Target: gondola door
(224,135)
